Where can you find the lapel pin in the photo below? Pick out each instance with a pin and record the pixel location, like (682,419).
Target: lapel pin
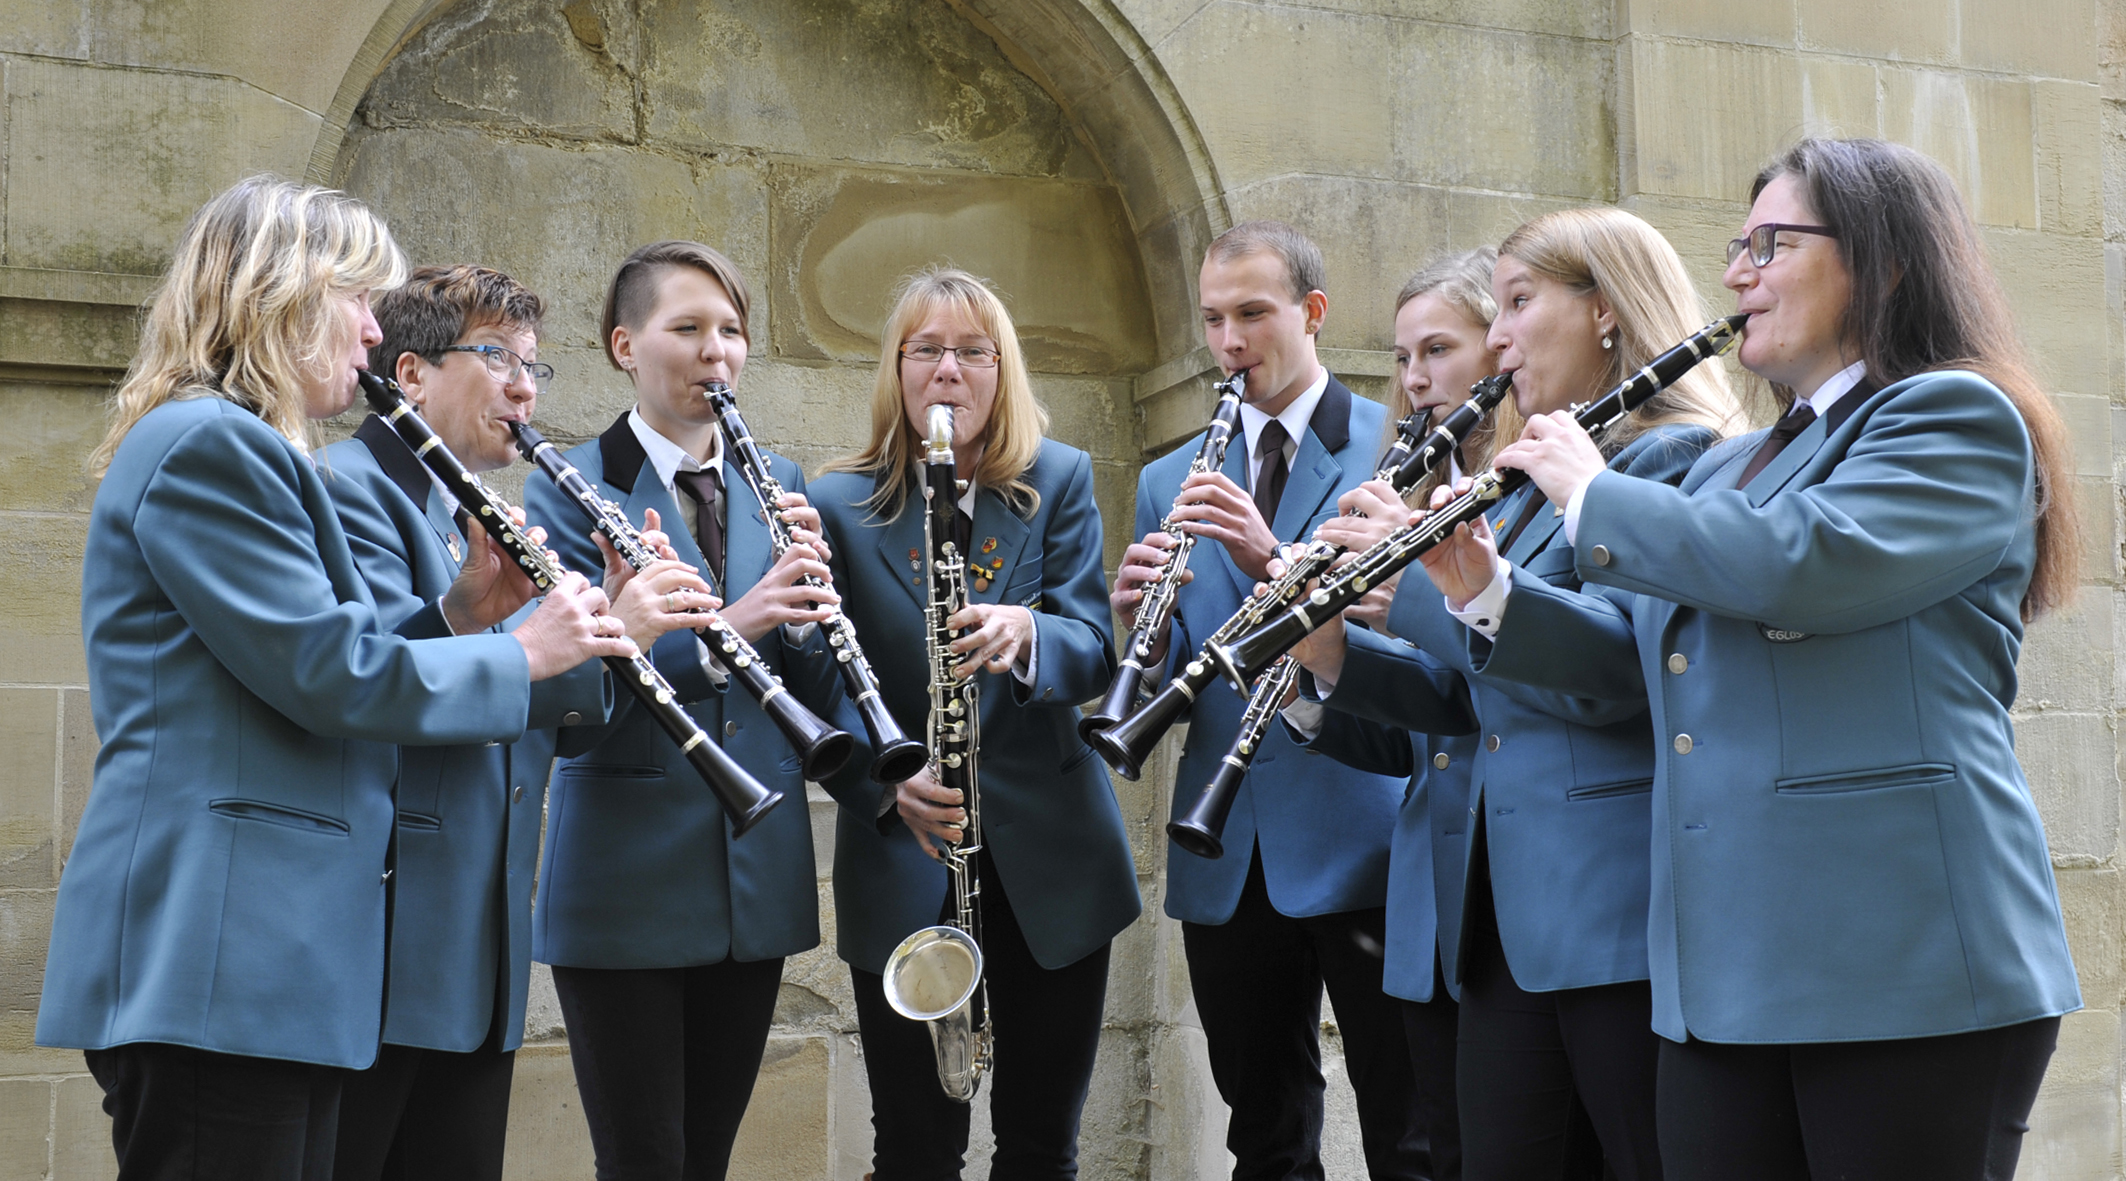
(990,546)
(450,541)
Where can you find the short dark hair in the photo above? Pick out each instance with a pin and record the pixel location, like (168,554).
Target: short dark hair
(634,288)
(1303,268)
(437,306)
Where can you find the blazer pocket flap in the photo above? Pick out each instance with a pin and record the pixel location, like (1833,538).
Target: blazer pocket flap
(1908,775)
(419,820)
(1603,791)
(237,809)
(610,771)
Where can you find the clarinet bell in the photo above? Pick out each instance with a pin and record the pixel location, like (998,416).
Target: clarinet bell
(1121,696)
(1125,745)
(1202,830)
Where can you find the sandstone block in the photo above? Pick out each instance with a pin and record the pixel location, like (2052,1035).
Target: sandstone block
(2074,1129)
(1186,1118)
(1342,129)
(2068,657)
(40,581)
(2047,38)
(298,53)
(1838,97)
(43,458)
(559,221)
(785,1132)
(1700,118)
(2095,910)
(43,29)
(1538,122)
(548,1140)
(81,1133)
(1113,1140)
(513,66)
(2072,762)
(1978,127)
(25,1127)
(29,730)
(2069,169)
(1920,30)
(158,144)
(77,763)
(2100,549)
(2052,283)
(1771,24)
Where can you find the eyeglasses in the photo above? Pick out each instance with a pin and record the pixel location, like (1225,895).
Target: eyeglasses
(971,356)
(506,365)
(1762,240)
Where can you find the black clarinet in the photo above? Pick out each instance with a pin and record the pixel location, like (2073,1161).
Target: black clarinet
(1241,659)
(1126,745)
(895,756)
(821,748)
(1155,609)
(744,798)
(1201,830)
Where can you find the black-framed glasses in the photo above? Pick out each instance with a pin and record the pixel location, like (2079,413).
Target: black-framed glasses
(506,365)
(971,356)
(1763,240)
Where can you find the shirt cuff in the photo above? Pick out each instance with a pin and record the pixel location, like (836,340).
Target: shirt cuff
(797,635)
(1032,652)
(1304,717)
(1484,612)
(1572,510)
(447,625)
(709,663)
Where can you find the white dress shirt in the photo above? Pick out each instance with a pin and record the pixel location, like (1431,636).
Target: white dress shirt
(1295,417)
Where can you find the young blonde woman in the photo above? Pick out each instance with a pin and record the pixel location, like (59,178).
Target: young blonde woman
(1553,972)
(218,948)
(1056,874)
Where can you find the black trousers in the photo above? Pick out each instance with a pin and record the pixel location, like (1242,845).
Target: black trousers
(1047,1025)
(1432,1029)
(1552,1084)
(1950,1108)
(665,1060)
(426,1115)
(1258,979)
(180,1114)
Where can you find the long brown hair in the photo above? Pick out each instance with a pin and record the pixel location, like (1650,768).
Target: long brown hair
(1016,422)
(1925,298)
(1462,281)
(1637,271)
(246,313)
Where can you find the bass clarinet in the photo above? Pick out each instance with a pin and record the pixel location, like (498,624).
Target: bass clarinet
(1238,660)
(1156,608)
(935,975)
(1126,745)
(895,755)
(821,748)
(743,797)
(1407,461)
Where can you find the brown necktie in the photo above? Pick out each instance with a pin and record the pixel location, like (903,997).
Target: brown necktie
(1784,431)
(1269,481)
(705,488)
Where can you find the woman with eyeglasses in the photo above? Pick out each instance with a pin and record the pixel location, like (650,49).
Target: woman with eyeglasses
(1057,879)
(667,935)
(1859,963)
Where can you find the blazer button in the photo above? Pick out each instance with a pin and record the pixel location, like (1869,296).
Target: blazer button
(1600,554)
(1491,743)
(1683,744)
(1677,662)
(1440,761)
(518,795)
(729,729)
(571,718)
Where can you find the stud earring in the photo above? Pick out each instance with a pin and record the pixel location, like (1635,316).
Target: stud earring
(1608,344)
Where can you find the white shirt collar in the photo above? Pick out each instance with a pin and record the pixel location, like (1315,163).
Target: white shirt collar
(667,457)
(1295,418)
(1838,386)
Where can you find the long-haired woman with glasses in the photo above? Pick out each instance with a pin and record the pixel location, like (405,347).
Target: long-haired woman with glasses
(219,944)
(1057,879)
(1858,958)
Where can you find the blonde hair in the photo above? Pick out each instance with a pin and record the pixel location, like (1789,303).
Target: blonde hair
(1631,265)
(1016,422)
(1462,281)
(246,312)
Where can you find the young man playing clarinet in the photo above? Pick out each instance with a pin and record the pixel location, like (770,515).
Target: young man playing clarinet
(1297,901)
(462,342)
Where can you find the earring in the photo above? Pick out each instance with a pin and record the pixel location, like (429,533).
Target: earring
(1608,344)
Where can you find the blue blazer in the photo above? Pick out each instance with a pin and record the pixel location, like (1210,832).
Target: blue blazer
(641,869)
(1845,847)
(468,816)
(226,890)
(1322,827)
(1049,813)
(1562,782)
(1428,852)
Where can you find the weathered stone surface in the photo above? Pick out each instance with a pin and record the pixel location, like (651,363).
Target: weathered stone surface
(507,65)
(1917,30)
(40,580)
(2052,283)
(1539,121)
(2071,760)
(1980,130)
(81,1132)
(25,1127)
(1699,118)
(1771,23)
(77,764)
(548,1140)
(2069,657)
(2074,1129)
(51,431)
(2043,38)
(2095,908)
(2069,120)
(843,240)
(785,1133)
(29,786)
(157,145)
(1838,97)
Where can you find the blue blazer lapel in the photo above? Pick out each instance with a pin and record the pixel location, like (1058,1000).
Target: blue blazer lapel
(994,522)
(1785,464)
(901,537)
(1313,477)
(1539,531)
(747,552)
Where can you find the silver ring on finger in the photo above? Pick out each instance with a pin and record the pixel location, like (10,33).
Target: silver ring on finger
(668,602)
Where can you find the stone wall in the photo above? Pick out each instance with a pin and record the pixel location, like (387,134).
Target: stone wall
(1081,152)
